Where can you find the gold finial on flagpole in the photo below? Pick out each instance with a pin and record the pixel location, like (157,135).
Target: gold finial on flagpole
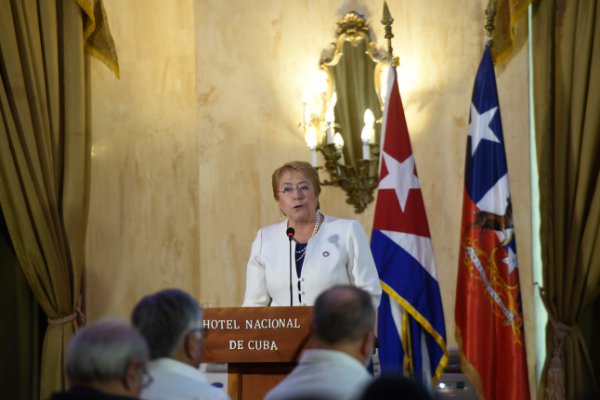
(490,13)
(387,21)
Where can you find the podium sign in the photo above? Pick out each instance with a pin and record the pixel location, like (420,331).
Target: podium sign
(260,344)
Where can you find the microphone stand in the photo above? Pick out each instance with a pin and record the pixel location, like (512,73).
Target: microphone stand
(290,232)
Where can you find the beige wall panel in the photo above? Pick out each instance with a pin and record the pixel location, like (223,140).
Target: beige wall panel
(209,104)
(143,232)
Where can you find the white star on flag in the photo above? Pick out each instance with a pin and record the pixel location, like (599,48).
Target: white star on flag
(510,260)
(401,177)
(479,128)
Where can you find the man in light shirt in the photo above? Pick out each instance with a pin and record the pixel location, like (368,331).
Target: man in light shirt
(106,360)
(171,322)
(335,368)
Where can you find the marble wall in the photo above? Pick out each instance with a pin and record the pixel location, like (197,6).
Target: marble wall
(209,103)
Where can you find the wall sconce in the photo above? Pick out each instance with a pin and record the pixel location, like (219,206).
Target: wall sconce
(343,129)
(358,181)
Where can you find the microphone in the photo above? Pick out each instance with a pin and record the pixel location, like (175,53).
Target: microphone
(290,232)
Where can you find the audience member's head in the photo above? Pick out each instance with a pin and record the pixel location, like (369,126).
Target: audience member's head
(395,387)
(344,319)
(109,356)
(171,322)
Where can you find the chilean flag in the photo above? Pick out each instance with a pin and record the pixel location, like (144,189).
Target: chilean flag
(411,328)
(488,314)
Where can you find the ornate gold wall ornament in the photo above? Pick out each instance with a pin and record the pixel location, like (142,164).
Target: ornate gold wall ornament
(354,26)
(354,70)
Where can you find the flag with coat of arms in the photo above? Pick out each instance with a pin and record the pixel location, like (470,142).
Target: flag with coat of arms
(488,313)
(411,328)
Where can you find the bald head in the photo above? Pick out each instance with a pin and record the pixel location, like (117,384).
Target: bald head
(343,314)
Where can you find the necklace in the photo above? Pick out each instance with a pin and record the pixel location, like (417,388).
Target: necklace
(302,252)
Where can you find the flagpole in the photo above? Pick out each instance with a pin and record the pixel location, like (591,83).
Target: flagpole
(490,22)
(387,21)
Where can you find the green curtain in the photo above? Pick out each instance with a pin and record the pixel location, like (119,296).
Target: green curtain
(45,154)
(566,77)
(19,332)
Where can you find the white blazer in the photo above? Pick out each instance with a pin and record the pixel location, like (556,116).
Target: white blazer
(338,254)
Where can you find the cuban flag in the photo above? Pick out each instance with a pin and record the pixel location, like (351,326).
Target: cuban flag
(411,328)
(488,314)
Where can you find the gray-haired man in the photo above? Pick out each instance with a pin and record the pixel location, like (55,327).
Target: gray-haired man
(171,322)
(106,360)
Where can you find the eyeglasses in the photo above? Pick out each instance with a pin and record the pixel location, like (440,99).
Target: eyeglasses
(147,379)
(202,331)
(303,188)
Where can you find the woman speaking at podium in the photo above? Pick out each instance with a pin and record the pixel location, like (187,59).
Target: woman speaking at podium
(294,260)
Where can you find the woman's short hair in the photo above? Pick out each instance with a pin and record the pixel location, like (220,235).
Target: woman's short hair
(102,351)
(300,166)
(164,318)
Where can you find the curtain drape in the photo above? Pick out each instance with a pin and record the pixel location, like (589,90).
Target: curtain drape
(566,73)
(20,330)
(45,155)
(507,14)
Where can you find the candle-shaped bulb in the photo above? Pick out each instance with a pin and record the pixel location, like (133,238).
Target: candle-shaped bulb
(367,133)
(313,157)
(311,142)
(329,116)
(368,130)
(368,117)
(366,151)
(338,140)
(311,138)
(365,136)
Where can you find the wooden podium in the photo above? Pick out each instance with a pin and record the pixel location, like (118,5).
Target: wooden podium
(260,344)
